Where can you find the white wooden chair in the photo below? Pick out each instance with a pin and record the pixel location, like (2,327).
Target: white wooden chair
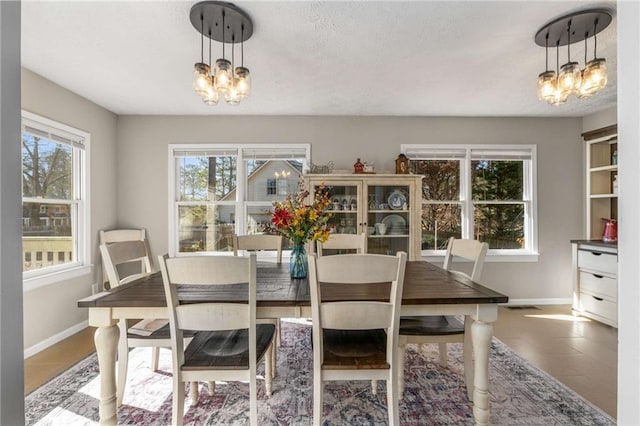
(445,329)
(228,344)
(258,242)
(125,258)
(356,340)
(355,242)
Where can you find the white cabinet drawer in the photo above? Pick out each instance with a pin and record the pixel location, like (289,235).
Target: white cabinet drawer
(598,261)
(599,285)
(599,306)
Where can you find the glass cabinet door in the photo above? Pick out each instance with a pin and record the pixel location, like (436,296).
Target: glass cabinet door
(388,218)
(345,206)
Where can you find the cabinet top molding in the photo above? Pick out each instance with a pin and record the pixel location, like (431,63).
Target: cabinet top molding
(600,133)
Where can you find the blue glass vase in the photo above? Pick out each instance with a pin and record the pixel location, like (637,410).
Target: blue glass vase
(298,266)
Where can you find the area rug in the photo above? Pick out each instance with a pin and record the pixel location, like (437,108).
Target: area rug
(520,393)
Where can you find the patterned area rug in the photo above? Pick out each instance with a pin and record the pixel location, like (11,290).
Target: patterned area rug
(520,393)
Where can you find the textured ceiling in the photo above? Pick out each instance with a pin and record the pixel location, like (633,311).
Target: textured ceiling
(400,58)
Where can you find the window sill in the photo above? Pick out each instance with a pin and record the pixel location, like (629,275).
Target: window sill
(32,283)
(490,258)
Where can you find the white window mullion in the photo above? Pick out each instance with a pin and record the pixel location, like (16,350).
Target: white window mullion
(241,193)
(466,196)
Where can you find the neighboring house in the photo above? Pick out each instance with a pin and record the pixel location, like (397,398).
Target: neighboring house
(271,181)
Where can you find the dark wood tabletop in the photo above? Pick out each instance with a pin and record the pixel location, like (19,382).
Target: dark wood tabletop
(425,284)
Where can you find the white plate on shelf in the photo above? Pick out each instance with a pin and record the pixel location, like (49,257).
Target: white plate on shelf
(396,200)
(395,224)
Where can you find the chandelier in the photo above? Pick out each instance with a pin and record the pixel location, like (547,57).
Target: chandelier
(556,86)
(227,24)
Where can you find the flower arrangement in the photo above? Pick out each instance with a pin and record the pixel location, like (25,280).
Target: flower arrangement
(301,222)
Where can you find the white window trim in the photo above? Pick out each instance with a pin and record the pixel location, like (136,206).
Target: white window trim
(528,254)
(240,211)
(82,182)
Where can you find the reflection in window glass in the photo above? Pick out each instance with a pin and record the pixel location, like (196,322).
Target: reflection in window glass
(500,225)
(205,228)
(439,223)
(271,180)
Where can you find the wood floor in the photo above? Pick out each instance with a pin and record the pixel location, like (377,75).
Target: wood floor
(580,353)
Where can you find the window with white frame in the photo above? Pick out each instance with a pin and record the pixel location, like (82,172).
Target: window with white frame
(218,190)
(54,197)
(477,192)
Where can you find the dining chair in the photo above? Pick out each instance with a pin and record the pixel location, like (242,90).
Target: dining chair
(355,242)
(125,258)
(228,344)
(258,243)
(356,340)
(443,329)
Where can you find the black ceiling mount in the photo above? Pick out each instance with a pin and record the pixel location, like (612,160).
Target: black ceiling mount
(206,17)
(582,22)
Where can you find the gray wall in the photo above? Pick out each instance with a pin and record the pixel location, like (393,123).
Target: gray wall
(142,185)
(52,309)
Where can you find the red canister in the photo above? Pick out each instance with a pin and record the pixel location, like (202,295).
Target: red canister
(610,233)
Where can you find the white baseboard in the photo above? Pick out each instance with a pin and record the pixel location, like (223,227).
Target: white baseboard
(556,301)
(38,347)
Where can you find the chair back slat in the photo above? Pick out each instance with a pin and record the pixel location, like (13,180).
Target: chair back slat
(356,315)
(126,251)
(258,242)
(121,249)
(357,268)
(470,250)
(119,235)
(213,316)
(208,270)
(343,242)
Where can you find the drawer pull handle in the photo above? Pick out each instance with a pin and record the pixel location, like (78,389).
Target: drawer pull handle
(599,299)
(596,253)
(598,276)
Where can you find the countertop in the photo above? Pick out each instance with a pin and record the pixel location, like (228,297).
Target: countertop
(600,243)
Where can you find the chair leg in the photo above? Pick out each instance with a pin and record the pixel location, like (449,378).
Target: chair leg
(278,333)
(374,387)
(393,401)
(177,411)
(123,362)
(274,360)
(317,400)
(212,387)
(442,348)
(268,365)
(195,393)
(467,353)
(155,358)
(253,400)
(401,354)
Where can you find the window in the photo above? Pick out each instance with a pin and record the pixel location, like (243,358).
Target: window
(477,192)
(271,187)
(54,207)
(220,190)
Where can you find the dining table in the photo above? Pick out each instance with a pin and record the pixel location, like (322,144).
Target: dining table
(428,290)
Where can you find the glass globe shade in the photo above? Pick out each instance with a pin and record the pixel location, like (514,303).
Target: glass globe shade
(546,85)
(211,97)
(594,77)
(223,75)
(201,79)
(243,82)
(570,78)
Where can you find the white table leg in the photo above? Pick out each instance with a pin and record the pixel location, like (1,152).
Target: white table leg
(481,336)
(106,340)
